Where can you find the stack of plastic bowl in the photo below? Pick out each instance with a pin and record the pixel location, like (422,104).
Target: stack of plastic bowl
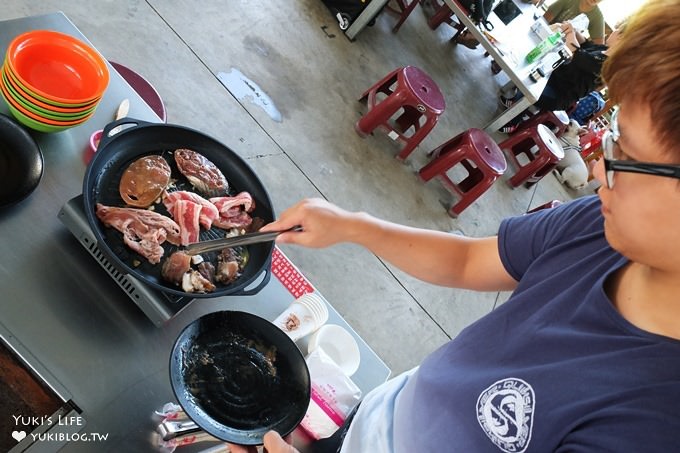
(52,81)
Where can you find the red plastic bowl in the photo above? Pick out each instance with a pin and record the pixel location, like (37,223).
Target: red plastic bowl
(58,68)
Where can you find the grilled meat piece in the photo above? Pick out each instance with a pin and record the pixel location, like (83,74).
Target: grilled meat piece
(201,172)
(229,266)
(194,282)
(207,270)
(144,180)
(175,266)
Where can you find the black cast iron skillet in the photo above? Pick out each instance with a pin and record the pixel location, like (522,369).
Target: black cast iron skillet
(237,376)
(102,178)
(21,162)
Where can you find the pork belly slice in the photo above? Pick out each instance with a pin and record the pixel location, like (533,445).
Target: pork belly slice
(143,231)
(187,214)
(242,199)
(234,210)
(208,210)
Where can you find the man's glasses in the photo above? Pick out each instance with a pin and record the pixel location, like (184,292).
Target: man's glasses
(612,154)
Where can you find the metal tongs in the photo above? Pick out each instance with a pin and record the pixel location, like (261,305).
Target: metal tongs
(235,241)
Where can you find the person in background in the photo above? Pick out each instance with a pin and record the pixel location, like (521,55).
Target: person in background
(569,82)
(583,356)
(561,11)
(587,107)
(564,10)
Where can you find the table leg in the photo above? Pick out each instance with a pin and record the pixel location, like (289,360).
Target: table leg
(507,115)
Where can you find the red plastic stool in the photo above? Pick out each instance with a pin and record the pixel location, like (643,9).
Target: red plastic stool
(410,102)
(480,156)
(541,150)
(403,10)
(556,121)
(142,87)
(591,144)
(444,14)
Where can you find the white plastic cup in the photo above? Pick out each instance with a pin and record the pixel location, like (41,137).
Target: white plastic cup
(339,345)
(304,316)
(316,305)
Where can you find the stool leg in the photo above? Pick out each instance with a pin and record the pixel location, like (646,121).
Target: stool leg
(460,28)
(406,11)
(380,114)
(444,158)
(384,83)
(418,137)
(528,171)
(443,14)
(471,196)
(541,172)
(410,118)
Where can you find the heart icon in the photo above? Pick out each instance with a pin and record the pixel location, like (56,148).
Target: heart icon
(18,435)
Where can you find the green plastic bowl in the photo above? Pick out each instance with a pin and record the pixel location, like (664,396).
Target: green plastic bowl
(26,120)
(31,123)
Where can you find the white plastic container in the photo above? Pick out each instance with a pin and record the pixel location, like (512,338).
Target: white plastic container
(339,345)
(541,29)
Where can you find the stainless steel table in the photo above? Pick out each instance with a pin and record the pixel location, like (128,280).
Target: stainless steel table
(71,321)
(366,16)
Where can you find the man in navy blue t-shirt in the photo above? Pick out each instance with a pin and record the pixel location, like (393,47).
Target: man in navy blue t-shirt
(585,355)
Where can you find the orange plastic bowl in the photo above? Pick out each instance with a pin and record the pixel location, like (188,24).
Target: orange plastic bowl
(11,82)
(58,68)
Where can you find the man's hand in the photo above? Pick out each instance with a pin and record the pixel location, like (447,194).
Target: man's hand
(273,443)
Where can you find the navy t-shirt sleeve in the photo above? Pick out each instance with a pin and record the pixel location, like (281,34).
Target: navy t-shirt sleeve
(522,239)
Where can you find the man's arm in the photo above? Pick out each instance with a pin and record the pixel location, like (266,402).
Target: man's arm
(433,256)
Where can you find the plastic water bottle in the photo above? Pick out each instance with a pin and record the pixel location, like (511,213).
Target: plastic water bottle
(544,47)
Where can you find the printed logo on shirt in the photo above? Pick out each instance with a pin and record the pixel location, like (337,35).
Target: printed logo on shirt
(505,411)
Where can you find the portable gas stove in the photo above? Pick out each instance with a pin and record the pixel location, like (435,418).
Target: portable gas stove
(157,305)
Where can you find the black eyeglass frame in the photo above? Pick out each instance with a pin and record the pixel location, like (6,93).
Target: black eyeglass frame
(612,165)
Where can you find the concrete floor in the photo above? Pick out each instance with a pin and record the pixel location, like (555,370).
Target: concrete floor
(296,54)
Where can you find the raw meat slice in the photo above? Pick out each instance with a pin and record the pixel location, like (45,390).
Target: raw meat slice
(143,231)
(208,210)
(225,204)
(234,210)
(186,214)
